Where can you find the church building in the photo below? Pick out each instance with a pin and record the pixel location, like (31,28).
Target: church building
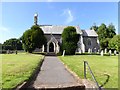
(88,40)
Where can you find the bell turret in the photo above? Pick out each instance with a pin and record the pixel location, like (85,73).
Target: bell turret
(35,18)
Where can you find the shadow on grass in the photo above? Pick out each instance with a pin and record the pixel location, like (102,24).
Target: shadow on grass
(106,81)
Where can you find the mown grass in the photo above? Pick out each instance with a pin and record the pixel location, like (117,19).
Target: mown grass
(100,65)
(18,68)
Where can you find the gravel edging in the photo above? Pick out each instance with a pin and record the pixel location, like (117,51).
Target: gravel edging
(30,81)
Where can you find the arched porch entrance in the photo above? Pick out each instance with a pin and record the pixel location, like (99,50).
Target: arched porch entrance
(51,47)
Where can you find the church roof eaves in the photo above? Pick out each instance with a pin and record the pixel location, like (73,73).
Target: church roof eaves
(57,29)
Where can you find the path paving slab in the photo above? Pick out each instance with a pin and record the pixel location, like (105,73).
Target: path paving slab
(53,74)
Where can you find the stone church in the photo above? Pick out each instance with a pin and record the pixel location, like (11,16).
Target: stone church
(88,40)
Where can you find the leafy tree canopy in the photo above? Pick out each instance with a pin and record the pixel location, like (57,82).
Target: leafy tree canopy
(94,27)
(105,34)
(114,43)
(69,40)
(12,44)
(33,38)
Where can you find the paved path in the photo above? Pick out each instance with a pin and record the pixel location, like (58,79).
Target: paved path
(54,75)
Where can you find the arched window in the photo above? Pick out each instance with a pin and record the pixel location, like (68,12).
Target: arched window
(89,42)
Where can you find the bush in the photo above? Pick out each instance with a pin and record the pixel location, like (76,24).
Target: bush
(69,40)
(33,38)
(114,43)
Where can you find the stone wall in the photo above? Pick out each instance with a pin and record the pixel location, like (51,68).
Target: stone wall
(91,43)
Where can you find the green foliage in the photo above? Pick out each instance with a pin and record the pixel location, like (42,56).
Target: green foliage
(102,32)
(33,38)
(104,43)
(105,34)
(114,43)
(12,44)
(94,27)
(111,31)
(69,40)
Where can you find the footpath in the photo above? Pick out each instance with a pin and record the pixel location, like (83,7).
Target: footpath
(54,75)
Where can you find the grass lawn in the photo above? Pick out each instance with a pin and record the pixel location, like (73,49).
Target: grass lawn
(18,68)
(99,66)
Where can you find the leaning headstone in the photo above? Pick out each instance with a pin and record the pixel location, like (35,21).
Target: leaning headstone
(110,52)
(105,50)
(101,53)
(115,52)
(89,50)
(63,53)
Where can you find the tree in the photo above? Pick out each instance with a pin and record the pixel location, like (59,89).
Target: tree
(33,38)
(114,43)
(12,44)
(105,34)
(94,27)
(69,40)
(111,31)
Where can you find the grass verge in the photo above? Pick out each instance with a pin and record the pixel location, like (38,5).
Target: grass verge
(100,65)
(18,68)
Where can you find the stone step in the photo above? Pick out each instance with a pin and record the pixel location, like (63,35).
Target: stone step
(51,54)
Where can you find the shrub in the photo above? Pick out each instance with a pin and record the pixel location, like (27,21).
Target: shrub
(69,40)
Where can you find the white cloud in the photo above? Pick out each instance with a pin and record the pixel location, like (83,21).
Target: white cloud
(4,29)
(69,16)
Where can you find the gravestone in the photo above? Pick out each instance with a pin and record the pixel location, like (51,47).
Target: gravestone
(95,50)
(63,53)
(98,51)
(105,50)
(101,53)
(80,51)
(89,50)
(43,48)
(115,52)
(8,51)
(110,52)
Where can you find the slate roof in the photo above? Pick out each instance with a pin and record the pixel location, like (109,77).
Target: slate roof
(91,33)
(55,29)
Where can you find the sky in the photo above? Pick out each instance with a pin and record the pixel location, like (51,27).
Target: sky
(19,16)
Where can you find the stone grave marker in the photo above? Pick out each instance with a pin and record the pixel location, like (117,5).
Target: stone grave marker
(101,53)
(105,50)
(115,52)
(110,52)
(63,53)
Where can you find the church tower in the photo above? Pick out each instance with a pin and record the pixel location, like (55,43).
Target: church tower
(35,18)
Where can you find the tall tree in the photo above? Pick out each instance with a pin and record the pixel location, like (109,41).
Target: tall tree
(111,31)
(105,34)
(12,44)
(94,27)
(69,40)
(33,38)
